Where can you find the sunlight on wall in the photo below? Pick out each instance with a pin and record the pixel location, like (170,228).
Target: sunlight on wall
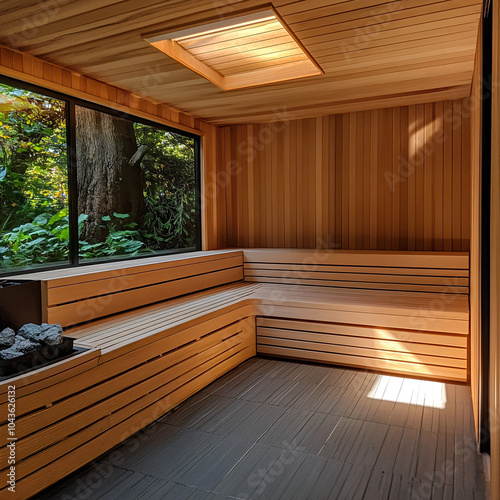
(423,138)
(409,391)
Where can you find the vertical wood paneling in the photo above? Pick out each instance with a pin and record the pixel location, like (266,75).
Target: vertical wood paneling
(325,171)
(345,192)
(411,176)
(243,212)
(293,185)
(267,143)
(495,261)
(351,214)
(219,192)
(437,131)
(332,193)
(457,176)
(396,188)
(319,178)
(251,187)
(373,180)
(419,175)
(275,188)
(299,186)
(387,167)
(389,179)
(403,186)
(448,176)
(232,206)
(309,177)
(428,172)
(359,177)
(367,145)
(339,133)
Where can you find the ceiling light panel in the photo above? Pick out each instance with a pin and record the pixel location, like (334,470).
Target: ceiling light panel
(244,51)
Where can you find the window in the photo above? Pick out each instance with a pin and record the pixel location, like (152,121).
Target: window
(34,215)
(129,189)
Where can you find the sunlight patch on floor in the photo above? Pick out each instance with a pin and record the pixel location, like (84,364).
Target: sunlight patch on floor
(409,391)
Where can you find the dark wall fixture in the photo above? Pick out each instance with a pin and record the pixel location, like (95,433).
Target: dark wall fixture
(20,303)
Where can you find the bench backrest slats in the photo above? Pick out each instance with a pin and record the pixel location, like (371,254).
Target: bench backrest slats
(397,271)
(75,296)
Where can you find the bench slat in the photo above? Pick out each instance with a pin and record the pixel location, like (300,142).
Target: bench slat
(435,272)
(369,285)
(405,271)
(88,310)
(428,260)
(126,280)
(409,336)
(398,367)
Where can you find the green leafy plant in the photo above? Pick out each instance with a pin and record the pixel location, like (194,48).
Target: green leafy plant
(45,239)
(123,240)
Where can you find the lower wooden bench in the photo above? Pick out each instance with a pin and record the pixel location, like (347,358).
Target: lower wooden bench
(415,334)
(139,365)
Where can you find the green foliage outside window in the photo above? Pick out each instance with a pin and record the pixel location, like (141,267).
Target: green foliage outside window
(153,212)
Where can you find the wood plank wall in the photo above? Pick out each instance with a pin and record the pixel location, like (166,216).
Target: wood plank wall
(389,179)
(36,71)
(475,238)
(495,262)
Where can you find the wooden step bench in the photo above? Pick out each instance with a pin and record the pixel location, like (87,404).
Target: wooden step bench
(140,365)
(358,328)
(203,320)
(400,312)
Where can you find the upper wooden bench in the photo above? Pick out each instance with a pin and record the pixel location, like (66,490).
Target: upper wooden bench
(159,330)
(78,295)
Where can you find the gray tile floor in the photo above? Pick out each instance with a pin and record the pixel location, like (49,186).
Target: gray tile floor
(284,430)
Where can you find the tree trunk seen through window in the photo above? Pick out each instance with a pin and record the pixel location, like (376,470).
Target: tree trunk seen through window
(109,174)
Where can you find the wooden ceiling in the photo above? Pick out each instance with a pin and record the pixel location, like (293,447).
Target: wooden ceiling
(373,53)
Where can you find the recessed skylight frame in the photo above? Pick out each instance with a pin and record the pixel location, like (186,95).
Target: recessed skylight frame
(246,50)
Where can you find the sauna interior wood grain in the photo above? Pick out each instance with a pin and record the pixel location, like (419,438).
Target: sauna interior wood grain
(388,179)
(374,54)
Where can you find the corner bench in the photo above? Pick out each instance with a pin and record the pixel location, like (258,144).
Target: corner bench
(406,313)
(209,312)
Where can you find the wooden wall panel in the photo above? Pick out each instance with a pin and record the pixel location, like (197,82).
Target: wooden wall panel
(495,262)
(45,74)
(475,238)
(388,179)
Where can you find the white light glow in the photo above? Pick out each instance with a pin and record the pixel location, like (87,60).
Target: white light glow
(409,391)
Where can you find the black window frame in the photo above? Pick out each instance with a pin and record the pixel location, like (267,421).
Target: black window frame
(74,260)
